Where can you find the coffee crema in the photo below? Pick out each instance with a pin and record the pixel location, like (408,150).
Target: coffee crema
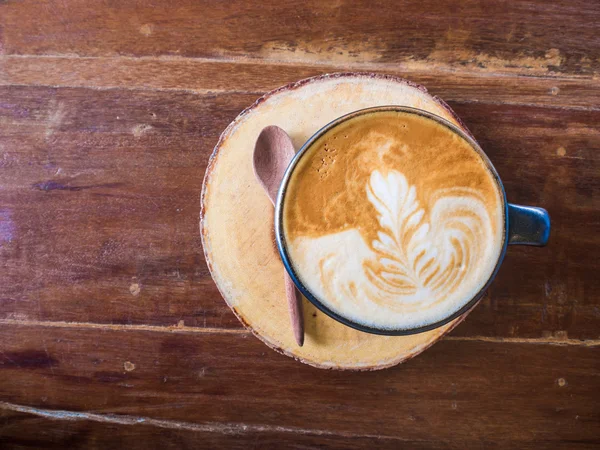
(392,220)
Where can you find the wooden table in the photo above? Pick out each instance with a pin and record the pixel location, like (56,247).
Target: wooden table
(112,332)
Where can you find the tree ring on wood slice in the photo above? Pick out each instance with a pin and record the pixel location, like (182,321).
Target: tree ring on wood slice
(236,221)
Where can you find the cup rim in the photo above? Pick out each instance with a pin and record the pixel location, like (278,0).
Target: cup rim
(287,260)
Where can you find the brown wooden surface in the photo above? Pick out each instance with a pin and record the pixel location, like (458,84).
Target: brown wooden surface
(112,331)
(231,381)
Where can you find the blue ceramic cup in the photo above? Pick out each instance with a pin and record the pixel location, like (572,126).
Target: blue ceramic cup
(523,225)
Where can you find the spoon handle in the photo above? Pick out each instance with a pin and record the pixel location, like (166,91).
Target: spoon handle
(295,306)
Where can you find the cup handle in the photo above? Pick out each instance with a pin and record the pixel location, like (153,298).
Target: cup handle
(528,225)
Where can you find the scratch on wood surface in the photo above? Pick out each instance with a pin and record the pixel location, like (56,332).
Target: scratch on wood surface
(210,427)
(180,328)
(562,152)
(573,157)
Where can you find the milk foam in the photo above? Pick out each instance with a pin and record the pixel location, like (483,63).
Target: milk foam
(427,262)
(393,221)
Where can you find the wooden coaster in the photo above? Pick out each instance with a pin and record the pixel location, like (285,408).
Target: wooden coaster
(237,221)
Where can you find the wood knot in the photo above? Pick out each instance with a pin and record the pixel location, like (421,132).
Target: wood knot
(561,382)
(140,129)
(146,29)
(135,289)
(128,366)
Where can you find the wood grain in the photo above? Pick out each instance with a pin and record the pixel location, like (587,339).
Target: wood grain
(204,379)
(230,75)
(122,171)
(494,36)
(25,430)
(108,112)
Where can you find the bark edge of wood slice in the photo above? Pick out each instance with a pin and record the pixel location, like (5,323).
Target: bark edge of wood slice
(236,221)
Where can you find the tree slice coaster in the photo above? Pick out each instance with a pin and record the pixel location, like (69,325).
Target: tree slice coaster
(237,221)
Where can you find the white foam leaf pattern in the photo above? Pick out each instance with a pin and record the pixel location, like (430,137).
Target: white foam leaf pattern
(425,262)
(415,251)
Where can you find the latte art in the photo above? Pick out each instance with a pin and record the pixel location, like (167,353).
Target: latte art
(393,221)
(422,258)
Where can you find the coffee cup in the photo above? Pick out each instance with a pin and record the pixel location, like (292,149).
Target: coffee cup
(393,221)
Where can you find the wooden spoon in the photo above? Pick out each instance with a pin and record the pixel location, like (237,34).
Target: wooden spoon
(272,154)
